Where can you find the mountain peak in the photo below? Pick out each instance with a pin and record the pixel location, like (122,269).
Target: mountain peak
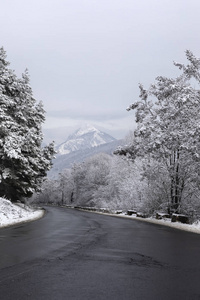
(85,137)
(86,129)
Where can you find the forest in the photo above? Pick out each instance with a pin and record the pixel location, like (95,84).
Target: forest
(158,168)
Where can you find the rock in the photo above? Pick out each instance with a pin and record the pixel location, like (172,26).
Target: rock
(104,210)
(131,212)
(160,215)
(141,215)
(118,212)
(180,218)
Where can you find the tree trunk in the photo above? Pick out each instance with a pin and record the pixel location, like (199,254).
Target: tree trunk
(175,190)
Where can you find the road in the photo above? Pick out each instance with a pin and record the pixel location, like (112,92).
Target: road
(78,255)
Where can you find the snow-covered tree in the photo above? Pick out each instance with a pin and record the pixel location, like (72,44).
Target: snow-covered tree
(168,132)
(88,177)
(23,161)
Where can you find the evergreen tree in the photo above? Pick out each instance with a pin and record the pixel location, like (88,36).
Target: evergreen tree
(23,162)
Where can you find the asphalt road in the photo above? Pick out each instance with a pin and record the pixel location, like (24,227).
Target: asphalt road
(71,254)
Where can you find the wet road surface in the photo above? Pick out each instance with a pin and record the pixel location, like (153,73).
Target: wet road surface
(72,254)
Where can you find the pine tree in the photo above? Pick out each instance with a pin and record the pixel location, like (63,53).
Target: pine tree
(23,162)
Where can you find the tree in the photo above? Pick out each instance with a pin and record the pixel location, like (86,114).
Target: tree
(88,176)
(23,162)
(168,131)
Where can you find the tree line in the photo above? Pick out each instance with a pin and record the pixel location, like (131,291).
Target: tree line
(102,181)
(159,167)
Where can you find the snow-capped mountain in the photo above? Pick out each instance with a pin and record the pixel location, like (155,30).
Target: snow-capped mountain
(66,161)
(84,138)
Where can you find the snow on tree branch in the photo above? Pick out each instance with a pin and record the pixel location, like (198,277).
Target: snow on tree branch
(23,161)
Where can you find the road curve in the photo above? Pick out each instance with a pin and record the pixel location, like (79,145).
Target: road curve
(72,254)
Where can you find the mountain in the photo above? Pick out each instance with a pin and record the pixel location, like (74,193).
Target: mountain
(66,161)
(82,144)
(84,138)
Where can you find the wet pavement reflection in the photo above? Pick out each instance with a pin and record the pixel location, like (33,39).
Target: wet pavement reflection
(31,240)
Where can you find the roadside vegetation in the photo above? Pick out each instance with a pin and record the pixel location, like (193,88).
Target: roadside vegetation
(158,170)
(23,161)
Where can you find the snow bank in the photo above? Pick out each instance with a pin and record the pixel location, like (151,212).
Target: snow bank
(195,227)
(11,214)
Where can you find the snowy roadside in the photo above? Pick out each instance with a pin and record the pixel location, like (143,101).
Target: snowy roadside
(11,214)
(195,227)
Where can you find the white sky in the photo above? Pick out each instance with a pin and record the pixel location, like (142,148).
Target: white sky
(86,57)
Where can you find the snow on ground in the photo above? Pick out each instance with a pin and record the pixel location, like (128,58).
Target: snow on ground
(11,214)
(195,227)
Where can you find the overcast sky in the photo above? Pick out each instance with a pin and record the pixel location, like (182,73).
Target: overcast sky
(86,57)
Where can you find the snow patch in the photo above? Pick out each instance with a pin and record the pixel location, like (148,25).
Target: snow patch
(86,129)
(11,214)
(195,227)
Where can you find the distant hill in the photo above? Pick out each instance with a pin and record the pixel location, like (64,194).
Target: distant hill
(84,138)
(66,161)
